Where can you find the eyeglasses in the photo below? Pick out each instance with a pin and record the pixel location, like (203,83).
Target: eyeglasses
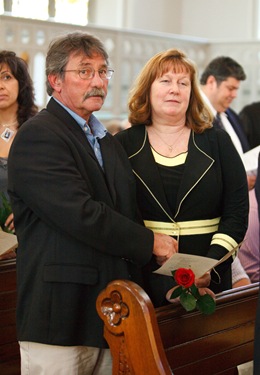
(89,72)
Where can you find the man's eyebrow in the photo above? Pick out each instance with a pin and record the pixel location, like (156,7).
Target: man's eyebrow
(232,87)
(89,64)
(84,64)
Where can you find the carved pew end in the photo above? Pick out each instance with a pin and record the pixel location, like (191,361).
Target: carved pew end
(131,330)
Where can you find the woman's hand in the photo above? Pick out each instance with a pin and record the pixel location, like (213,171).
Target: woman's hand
(9,223)
(251,179)
(203,281)
(203,291)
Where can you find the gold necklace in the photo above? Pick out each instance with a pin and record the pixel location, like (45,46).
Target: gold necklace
(9,125)
(170,147)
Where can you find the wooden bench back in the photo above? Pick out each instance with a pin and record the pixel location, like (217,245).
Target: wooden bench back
(140,336)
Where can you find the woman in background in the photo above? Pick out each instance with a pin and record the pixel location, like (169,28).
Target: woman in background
(191,182)
(16,106)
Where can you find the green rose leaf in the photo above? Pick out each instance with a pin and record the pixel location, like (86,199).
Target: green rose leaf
(194,291)
(177,292)
(188,301)
(206,304)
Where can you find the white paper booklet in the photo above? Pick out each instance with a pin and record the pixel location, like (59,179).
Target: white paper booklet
(8,242)
(250,160)
(199,265)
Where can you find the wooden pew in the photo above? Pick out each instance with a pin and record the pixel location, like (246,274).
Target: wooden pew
(160,340)
(140,336)
(9,348)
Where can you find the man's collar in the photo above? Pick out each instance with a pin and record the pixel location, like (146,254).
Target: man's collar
(97,128)
(207,101)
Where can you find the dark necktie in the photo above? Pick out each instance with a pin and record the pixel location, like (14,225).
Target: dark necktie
(218,121)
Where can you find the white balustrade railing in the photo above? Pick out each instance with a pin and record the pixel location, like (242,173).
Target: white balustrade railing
(128,51)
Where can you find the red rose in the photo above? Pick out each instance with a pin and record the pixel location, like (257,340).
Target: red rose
(184,277)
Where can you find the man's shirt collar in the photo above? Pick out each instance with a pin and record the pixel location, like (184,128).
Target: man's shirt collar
(94,126)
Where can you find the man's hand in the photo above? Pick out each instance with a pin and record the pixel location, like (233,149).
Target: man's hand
(164,247)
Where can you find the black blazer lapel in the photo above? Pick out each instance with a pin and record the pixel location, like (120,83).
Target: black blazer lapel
(237,126)
(66,122)
(193,172)
(108,155)
(145,169)
(136,143)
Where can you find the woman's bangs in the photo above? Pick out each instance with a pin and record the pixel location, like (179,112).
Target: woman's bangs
(173,65)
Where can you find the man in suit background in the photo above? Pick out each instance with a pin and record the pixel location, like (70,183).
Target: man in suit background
(73,196)
(220,82)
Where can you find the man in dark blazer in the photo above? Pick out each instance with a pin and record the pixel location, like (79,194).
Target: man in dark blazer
(220,82)
(237,125)
(73,197)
